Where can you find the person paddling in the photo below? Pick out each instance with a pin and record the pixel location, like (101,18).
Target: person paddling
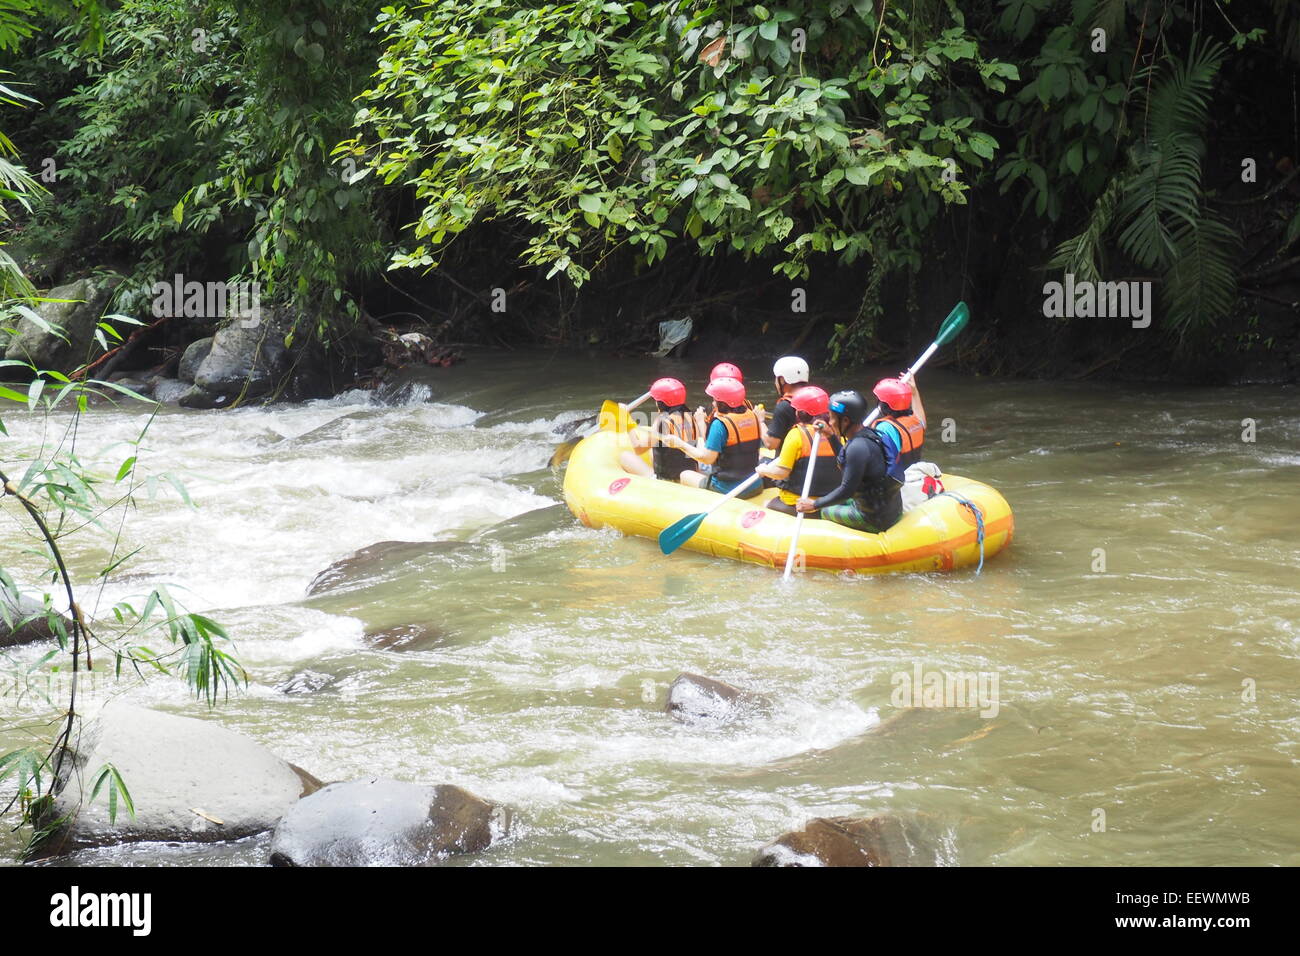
(810,405)
(729,450)
(867,499)
(791,374)
(673,419)
(901,424)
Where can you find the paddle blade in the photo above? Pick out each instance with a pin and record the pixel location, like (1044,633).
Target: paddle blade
(615,417)
(563,452)
(609,416)
(953,325)
(679,532)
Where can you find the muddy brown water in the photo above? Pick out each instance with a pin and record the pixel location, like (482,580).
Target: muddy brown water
(1156,697)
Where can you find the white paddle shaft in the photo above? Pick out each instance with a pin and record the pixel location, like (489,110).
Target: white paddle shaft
(807,487)
(906,377)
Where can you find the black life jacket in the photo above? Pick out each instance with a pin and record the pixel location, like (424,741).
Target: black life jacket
(669,463)
(826,476)
(879,499)
(912,435)
(739,458)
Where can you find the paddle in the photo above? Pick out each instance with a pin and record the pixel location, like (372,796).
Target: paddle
(951,327)
(611,417)
(679,532)
(807,487)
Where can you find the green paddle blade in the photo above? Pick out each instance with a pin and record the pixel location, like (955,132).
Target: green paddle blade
(680,531)
(953,325)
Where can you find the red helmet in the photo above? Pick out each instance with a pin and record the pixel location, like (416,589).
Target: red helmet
(894,392)
(669,391)
(729,391)
(811,399)
(725,370)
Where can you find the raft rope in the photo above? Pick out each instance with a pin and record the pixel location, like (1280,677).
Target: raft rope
(979,522)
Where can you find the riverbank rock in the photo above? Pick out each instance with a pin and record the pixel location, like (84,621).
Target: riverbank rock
(246,356)
(168,390)
(848,841)
(382,822)
(196,397)
(693,699)
(191,781)
(192,358)
(77,318)
(23,619)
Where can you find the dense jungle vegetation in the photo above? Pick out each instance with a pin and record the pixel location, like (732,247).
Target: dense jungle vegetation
(828,175)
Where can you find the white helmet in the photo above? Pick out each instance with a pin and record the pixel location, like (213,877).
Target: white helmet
(791,368)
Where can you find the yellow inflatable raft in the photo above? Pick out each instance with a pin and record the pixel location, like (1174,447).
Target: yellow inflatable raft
(939,535)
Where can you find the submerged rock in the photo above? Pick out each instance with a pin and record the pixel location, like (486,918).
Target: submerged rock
(693,699)
(306,682)
(190,780)
(405,637)
(848,841)
(382,822)
(370,562)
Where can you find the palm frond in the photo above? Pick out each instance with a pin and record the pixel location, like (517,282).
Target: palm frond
(1164,193)
(1179,102)
(1084,254)
(1201,283)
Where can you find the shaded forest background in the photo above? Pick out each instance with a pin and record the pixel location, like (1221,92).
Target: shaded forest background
(826,177)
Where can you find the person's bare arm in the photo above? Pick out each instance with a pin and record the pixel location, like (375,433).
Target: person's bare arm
(918,407)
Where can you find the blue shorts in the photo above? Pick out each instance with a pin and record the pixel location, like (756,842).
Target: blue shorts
(723,487)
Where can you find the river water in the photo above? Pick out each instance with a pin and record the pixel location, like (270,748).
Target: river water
(1143,627)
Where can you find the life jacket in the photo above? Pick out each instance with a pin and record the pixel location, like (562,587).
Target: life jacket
(912,436)
(669,463)
(879,500)
(739,458)
(825,477)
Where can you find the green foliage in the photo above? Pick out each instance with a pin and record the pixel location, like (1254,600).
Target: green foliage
(108,774)
(214,125)
(62,497)
(1156,203)
(601,125)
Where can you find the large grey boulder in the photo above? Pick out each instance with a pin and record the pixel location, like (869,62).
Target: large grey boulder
(246,357)
(693,699)
(382,822)
(192,358)
(87,299)
(190,780)
(849,841)
(23,619)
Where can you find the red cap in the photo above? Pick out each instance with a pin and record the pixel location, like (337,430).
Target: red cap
(669,391)
(725,370)
(811,399)
(894,392)
(728,391)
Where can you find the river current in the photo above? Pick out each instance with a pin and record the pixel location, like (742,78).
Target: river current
(1143,627)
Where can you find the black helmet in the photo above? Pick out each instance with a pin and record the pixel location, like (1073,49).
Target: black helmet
(850,404)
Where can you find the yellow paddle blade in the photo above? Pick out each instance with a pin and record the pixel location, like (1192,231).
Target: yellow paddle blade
(615,417)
